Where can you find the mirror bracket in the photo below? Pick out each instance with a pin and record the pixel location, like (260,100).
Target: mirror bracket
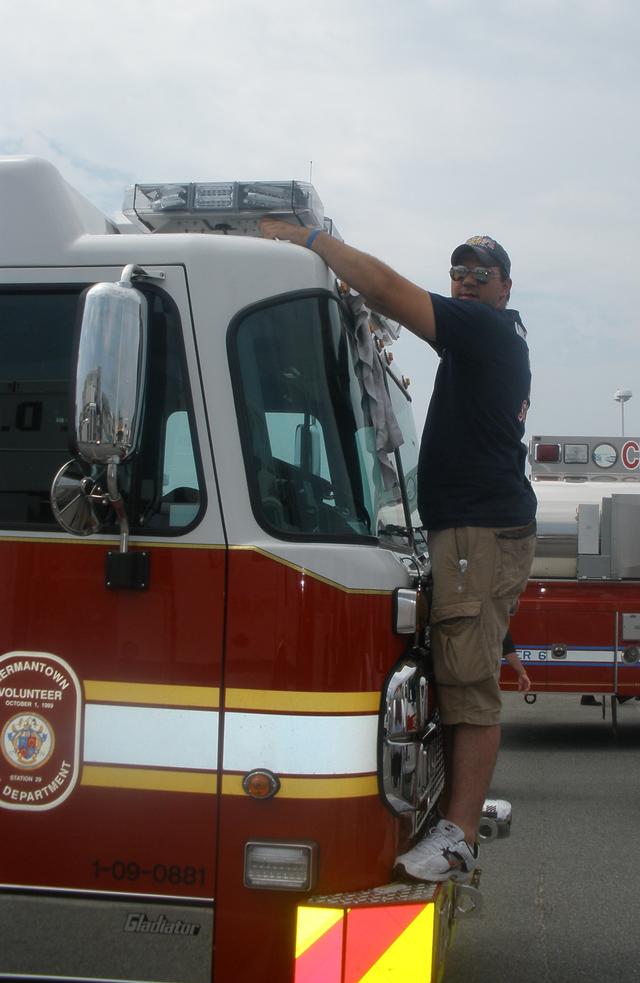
(127,571)
(135,272)
(115,499)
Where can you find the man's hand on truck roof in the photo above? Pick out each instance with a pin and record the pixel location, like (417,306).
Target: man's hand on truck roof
(385,291)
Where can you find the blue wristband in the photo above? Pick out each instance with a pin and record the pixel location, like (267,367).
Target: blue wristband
(312,237)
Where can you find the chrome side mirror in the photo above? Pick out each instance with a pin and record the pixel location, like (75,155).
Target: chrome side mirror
(110,371)
(107,402)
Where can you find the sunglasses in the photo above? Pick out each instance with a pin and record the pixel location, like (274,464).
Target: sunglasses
(480,273)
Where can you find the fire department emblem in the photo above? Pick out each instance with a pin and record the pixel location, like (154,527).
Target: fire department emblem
(27,741)
(40,727)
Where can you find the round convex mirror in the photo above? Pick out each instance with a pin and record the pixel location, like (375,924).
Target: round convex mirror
(71,502)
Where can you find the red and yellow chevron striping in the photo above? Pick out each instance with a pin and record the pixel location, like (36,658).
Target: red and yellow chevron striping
(367,944)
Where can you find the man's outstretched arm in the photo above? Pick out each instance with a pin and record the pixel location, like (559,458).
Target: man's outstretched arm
(384,290)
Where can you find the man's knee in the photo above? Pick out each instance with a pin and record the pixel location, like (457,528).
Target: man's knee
(479,705)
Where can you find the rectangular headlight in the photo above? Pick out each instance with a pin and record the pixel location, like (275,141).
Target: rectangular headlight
(280,866)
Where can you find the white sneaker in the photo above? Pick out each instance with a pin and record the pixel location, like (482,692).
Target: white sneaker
(442,855)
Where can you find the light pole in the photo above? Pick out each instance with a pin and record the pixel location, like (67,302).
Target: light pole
(622,396)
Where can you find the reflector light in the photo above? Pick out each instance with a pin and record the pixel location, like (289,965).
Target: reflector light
(405,611)
(280,866)
(261,784)
(547,453)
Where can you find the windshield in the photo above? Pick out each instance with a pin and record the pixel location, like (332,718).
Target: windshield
(307,436)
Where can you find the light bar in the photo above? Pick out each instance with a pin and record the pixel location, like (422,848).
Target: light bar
(226,208)
(280,866)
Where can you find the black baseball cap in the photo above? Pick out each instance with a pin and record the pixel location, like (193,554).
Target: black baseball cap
(487,250)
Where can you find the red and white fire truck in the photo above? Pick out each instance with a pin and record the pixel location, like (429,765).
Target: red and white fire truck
(578,624)
(217,724)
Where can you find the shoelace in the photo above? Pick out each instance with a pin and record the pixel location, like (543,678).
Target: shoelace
(440,839)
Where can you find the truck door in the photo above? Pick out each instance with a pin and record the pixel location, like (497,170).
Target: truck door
(581,642)
(108,697)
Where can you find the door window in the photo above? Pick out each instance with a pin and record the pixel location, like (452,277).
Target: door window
(161,485)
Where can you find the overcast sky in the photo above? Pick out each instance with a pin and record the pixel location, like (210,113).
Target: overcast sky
(426,122)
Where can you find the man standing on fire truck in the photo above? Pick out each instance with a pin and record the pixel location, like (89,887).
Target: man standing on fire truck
(474,500)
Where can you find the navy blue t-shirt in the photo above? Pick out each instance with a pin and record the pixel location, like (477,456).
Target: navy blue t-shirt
(471,465)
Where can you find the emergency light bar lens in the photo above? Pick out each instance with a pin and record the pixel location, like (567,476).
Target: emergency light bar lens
(547,453)
(279,866)
(161,197)
(283,196)
(213,196)
(273,197)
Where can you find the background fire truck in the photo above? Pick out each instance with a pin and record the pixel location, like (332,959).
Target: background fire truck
(577,628)
(217,724)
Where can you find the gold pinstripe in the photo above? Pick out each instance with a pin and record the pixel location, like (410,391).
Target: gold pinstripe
(310,573)
(312,788)
(150,779)
(152,693)
(157,543)
(163,544)
(292,702)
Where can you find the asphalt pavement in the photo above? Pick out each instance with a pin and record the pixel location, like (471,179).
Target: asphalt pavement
(561,895)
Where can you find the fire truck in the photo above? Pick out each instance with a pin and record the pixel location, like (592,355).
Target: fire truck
(217,719)
(577,627)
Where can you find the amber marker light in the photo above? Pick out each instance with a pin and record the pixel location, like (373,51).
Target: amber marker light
(261,784)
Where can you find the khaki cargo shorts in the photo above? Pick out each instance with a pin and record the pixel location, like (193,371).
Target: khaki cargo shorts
(478,575)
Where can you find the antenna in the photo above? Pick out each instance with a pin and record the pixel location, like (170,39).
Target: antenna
(310,171)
